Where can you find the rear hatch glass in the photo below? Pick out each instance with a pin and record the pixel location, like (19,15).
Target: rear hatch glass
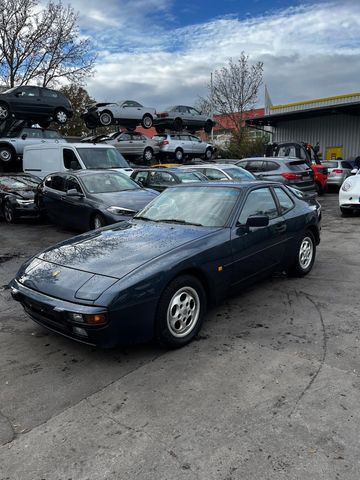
(331,164)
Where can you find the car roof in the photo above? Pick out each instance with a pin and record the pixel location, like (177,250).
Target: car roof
(210,165)
(238,185)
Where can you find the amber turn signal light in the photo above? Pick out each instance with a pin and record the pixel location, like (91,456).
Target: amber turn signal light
(95,319)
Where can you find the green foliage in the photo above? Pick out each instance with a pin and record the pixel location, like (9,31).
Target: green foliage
(79,98)
(245,145)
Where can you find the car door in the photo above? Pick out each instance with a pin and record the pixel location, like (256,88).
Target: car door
(52,190)
(257,250)
(27,101)
(186,144)
(125,144)
(49,100)
(198,146)
(75,209)
(138,144)
(197,120)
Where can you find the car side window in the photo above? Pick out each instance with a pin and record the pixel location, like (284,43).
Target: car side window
(270,166)
(49,93)
(193,111)
(48,182)
(185,138)
(213,174)
(124,137)
(70,160)
(58,183)
(141,177)
(194,139)
(258,202)
(162,178)
(32,132)
(73,184)
(255,166)
(27,92)
(285,201)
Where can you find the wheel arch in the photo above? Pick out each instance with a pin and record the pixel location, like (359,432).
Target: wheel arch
(315,231)
(201,276)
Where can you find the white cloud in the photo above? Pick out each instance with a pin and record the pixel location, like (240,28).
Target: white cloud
(308,51)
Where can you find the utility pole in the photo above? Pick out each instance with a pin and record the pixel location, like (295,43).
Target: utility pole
(212,105)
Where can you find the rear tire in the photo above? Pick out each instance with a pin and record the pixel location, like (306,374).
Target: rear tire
(208,126)
(180,312)
(4,112)
(44,124)
(148,155)
(178,124)
(6,154)
(305,256)
(319,189)
(98,221)
(61,116)
(106,118)
(179,155)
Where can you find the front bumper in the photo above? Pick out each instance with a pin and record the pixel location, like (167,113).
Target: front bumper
(30,210)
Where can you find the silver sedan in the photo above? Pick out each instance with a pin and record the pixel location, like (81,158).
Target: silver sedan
(338,171)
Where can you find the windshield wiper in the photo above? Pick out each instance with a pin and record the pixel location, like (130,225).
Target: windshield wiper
(147,219)
(180,222)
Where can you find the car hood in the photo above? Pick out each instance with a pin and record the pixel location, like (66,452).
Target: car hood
(132,199)
(25,194)
(117,250)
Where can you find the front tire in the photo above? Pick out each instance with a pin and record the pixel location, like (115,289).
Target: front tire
(106,118)
(98,221)
(178,124)
(180,312)
(4,112)
(61,116)
(147,121)
(305,256)
(208,154)
(9,213)
(208,126)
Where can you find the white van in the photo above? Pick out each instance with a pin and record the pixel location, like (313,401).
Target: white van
(41,160)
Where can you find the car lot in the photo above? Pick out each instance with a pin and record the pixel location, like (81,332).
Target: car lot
(270,389)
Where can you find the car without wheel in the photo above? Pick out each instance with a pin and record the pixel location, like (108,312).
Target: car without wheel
(38,104)
(126,113)
(16,139)
(17,196)
(159,180)
(86,199)
(181,117)
(155,275)
(183,145)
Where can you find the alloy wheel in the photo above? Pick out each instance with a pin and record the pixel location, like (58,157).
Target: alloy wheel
(306,252)
(183,312)
(4,112)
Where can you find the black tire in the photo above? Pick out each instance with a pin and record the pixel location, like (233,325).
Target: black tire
(302,265)
(179,155)
(319,189)
(208,154)
(7,154)
(148,155)
(90,125)
(178,124)
(176,323)
(61,116)
(346,211)
(208,126)
(97,221)
(147,121)
(106,118)
(160,129)
(4,112)
(44,124)
(9,213)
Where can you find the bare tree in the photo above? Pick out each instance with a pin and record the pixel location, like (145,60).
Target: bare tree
(234,90)
(41,45)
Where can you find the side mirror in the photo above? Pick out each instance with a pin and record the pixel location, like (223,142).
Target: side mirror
(141,182)
(257,221)
(24,136)
(74,193)
(354,171)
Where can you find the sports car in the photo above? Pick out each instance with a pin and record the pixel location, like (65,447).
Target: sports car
(126,113)
(349,194)
(155,275)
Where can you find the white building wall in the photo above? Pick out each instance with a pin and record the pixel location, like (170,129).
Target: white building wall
(331,131)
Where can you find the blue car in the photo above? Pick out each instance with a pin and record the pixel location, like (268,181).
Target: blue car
(155,275)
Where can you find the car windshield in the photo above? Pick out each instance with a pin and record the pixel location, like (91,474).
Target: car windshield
(10,90)
(18,182)
(188,177)
(106,182)
(102,157)
(239,173)
(203,206)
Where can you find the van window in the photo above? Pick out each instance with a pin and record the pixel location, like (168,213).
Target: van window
(70,160)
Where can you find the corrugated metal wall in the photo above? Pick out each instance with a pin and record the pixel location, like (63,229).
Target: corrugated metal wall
(331,131)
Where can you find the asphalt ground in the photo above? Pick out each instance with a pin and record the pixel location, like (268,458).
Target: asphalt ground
(270,389)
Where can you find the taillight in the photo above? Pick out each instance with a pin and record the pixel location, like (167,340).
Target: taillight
(338,170)
(165,142)
(163,114)
(291,176)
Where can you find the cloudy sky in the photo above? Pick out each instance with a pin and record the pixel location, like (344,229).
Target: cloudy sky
(161,52)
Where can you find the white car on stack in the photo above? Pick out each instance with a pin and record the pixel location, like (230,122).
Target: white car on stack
(349,194)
